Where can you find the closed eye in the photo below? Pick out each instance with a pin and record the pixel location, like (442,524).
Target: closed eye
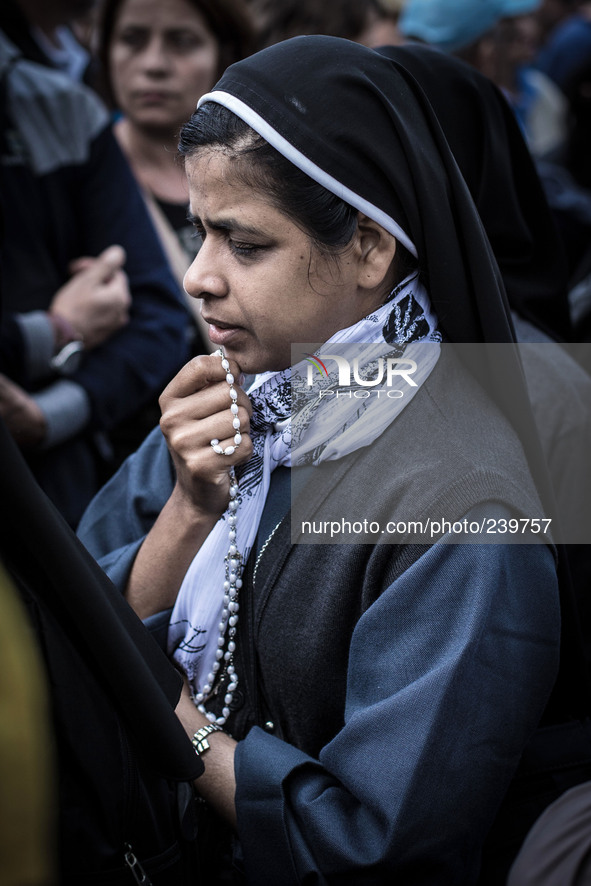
(229,232)
(198,227)
(247,250)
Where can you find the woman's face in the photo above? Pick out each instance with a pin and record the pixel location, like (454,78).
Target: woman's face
(264,286)
(162,59)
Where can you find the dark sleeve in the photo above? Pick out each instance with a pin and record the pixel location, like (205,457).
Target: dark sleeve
(449,672)
(12,352)
(135,364)
(43,556)
(119,517)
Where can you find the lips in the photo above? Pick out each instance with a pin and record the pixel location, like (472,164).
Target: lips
(211,321)
(152,96)
(220,333)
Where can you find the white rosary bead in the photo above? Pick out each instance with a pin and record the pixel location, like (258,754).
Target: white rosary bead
(232,583)
(215,443)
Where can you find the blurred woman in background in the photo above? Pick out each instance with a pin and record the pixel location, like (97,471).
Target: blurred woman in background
(158,60)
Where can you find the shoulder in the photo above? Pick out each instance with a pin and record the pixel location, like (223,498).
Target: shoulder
(129,503)
(449,449)
(42,101)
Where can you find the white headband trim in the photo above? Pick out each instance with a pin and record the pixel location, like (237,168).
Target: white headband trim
(264,129)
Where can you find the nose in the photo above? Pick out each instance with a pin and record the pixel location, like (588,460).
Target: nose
(205,277)
(154,57)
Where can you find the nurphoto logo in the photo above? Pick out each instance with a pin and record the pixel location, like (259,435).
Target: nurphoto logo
(393,368)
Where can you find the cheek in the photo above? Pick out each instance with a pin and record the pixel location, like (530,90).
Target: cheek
(120,69)
(199,72)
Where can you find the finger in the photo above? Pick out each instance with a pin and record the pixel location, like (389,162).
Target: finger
(81,264)
(110,259)
(226,425)
(116,289)
(209,401)
(200,373)
(185,431)
(105,265)
(113,257)
(194,445)
(196,460)
(7,387)
(238,448)
(190,438)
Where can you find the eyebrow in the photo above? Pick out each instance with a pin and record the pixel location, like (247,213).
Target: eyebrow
(229,224)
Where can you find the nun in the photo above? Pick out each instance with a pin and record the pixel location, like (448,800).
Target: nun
(360,697)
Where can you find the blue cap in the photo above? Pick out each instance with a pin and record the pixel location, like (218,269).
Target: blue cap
(518,7)
(454,24)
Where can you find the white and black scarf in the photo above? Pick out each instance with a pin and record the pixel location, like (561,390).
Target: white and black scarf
(288,428)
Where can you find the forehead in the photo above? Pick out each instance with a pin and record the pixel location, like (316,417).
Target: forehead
(215,188)
(156,14)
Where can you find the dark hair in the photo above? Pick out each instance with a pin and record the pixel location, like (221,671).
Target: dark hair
(328,220)
(281,19)
(230,22)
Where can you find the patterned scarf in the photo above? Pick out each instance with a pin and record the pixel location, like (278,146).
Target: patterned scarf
(294,424)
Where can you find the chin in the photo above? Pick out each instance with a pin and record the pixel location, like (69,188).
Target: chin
(255,365)
(157,125)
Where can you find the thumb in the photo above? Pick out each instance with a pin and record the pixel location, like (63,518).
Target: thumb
(106,264)
(113,257)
